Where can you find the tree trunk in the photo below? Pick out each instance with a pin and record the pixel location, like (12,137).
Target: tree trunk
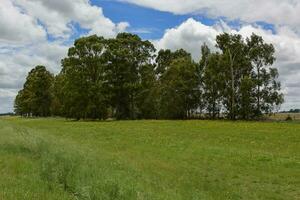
(232,108)
(258,89)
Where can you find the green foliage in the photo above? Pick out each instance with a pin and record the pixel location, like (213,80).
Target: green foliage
(128,72)
(234,66)
(179,94)
(212,83)
(82,79)
(36,96)
(122,78)
(240,79)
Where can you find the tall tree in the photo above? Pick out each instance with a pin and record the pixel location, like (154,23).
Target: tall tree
(122,78)
(212,84)
(166,57)
(36,96)
(167,68)
(271,97)
(129,58)
(21,105)
(179,89)
(247,98)
(84,91)
(147,97)
(236,65)
(201,66)
(262,56)
(57,106)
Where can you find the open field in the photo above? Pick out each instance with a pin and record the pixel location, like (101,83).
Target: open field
(165,160)
(283,116)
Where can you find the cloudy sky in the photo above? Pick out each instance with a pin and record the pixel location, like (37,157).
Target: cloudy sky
(34,32)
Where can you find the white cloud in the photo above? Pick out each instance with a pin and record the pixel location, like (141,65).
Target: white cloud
(278,12)
(15,65)
(191,34)
(283,14)
(58,16)
(23,37)
(26,23)
(17,27)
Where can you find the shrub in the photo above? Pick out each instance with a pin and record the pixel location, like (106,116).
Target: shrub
(289,118)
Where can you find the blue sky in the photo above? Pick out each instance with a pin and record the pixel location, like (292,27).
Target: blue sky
(141,19)
(149,23)
(39,32)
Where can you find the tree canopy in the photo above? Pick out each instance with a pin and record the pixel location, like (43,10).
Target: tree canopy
(123,78)
(36,96)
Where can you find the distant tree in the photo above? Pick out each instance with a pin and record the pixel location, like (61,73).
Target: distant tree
(129,59)
(201,66)
(235,65)
(166,57)
(292,111)
(36,96)
(213,84)
(247,98)
(57,106)
(179,89)
(21,105)
(123,78)
(271,97)
(165,72)
(83,80)
(147,97)
(267,88)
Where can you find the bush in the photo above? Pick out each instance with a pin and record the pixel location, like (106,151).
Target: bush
(289,118)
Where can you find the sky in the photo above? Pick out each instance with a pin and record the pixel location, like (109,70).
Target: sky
(39,32)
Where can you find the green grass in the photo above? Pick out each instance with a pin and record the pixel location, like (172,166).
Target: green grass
(167,160)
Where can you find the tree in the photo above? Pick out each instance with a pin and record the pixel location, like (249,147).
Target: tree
(21,103)
(166,57)
(247,101)
(57,106)
(36,96)
(179,89)
(83,79)
(212,83)
(121,78)
(262,56)
(169,66)
(129,57)
(271,97)
(147,97)
(235,66)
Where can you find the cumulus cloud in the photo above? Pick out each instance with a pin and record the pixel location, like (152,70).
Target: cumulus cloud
(25,27)
(278,12)
(191,34)
(59,16)
(17,27)
(16,63)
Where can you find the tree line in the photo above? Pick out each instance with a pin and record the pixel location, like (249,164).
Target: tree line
(126,78)
(297,110)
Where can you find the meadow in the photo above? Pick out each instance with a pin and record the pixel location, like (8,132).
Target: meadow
(284,116)
(164,160)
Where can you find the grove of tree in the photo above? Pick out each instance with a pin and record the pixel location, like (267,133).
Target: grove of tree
(126,78)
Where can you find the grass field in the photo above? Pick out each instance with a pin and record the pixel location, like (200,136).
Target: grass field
(165,160)
(283,116)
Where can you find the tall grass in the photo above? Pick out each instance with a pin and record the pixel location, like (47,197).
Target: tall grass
(64,168)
